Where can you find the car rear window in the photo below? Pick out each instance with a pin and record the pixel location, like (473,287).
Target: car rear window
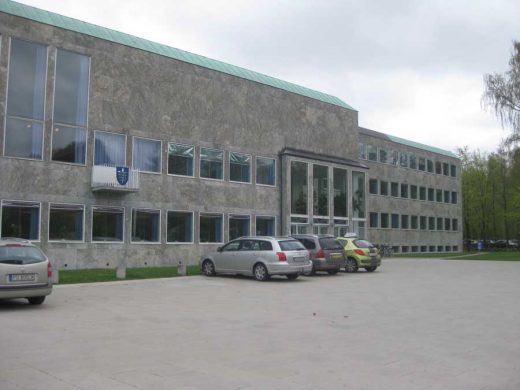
(330,243)
(20,255)
(363,244)
(307,243)
(291,245)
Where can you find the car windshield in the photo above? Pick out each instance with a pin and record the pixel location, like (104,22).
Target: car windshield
(330,243)
(20,255)
(291,245)
(363,244)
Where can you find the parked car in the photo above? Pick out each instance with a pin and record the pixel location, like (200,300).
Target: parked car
(360,254)
(25,271)
(260,257)
(325,251)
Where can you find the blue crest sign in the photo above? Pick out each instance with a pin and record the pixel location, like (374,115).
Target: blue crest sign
(122,175)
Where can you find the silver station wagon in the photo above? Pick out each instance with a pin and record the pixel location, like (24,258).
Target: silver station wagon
(25,271)
(260,257)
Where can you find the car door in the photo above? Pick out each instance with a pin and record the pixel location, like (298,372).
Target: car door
(243,262)
(225,258)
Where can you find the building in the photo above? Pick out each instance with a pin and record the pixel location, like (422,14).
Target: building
(117,150)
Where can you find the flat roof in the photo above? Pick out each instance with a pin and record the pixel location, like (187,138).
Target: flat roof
(71,24)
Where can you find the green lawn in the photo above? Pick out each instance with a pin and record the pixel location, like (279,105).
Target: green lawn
(109,275)
(492,256)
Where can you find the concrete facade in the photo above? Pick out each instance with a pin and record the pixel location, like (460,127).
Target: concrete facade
(140,94)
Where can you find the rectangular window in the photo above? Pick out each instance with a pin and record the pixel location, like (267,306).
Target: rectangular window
(299,188)
(384,220)
(374,220)
(372,152)
(447,224)
(438,195)
(424,248)
(445,169)
(455,224)
(265,171)
(25,100)
(66,222)
(265,226)
(146,155)
(413,192)
(431,223)
(447,197)
(431,248)
(422,193)
(109,149)
(423,222)
(383,188)
(107,224)
(179,227)
(69,135)
(362,151)
(358,194)
(394,157)
(422,164)
(440,248)
(21,219)
(211,163)
(395,221)
(403,160)
(383,155)
(404,190)
(438,168)
(210,228)
(431,194)
(440,223)
(320,190)
(239,167)
(404,221)
(453,170)
(415,248)
(394,189)
(413,161)
(180,159)
(340,192)
(146,226)
(453,197)
(429,166)
(239,226)
(414,222)
(373,186)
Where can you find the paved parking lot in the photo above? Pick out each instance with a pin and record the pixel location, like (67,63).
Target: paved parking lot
(413,324)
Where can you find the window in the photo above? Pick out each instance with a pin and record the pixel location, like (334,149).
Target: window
(109,149)
(424,248)
(429,165)
(431,194)
(440,223)
(413,191)
(446,196)
(404,190)
(395,221)
(180,159)
(423,222)
(453,170)
(69,133)
(432,248)
(66,222)
(374,220)
(320,190)
(107,224)
(438,168)
(431,223)
(358,194)
(373,186)
(362,151)
(455,224)
(211,162)
(265,171)
(210,228)
(384,220)
(265,226)
(414,222)
(372,152)
(340,192)
(394,188)
(179,227)
(25,100)
(438,195)
(404,221)
(415,248)
(146,155)
(413,161)
(383,188)
(146,226)
(239,226)
(422,193)
(447,224)
(21,219)
(445,169)
(453,197)
(422,164)
(394,157)
(299,188)
(239,167)
(383,155)
(403,160)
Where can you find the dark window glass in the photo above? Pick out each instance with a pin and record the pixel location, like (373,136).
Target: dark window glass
(239,167)
(146,155)
(438,167)
(431,194)
(453,170)
(358,194)
(374,220)
(423,221)
(413,191)
(447,224)
(68,144)
(429,164)
(440,223)
(362,151)
(438,195)
(109,149)
(431,223)
(455,225)
(320,188)
(404,190)
(179,227)
(107,224)
(299,187)
(422,164)
(23,138)
(265,226)
(453,197)
(446,196)
(291,245)
(422,193)
(145,225)
(403,160)
(265,246)
(340,192)
(383,155)
(384,220)
(21,220)
(373,186)
(238,226)
(307,243)
(394,188)
(211,162)
(329,243)
(265,171)
(445,169)
(395,221)
(414,222)
(383,188)
(413,161)
(180,159)
(404,221)
(66,223)
(372,152)
(210,228)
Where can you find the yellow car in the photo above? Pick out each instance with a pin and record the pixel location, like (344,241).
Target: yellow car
(360,254)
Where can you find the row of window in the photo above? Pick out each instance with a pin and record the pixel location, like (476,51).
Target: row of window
(405,160)
(410,191)
(412,222)
(424,248)
(66,222)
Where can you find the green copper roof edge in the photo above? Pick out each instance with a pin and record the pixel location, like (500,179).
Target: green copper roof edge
(421,146)
(68,23)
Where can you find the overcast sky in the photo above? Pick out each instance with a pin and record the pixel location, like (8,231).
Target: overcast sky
(413,69)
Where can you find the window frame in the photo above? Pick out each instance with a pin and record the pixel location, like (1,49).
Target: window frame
(3,201)
(108,132)
(160,155)
(250,168)
(159,242)
(92,209)
(238,216)
(206,214)
(222,162)
(274,171)
(168,159)
(49,223)
(192,226)
(266,216)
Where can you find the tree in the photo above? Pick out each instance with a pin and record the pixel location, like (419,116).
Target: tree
(502,93)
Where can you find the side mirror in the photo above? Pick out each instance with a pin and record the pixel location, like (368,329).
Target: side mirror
(219,249)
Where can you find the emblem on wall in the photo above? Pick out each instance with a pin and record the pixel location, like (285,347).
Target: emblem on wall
(122,175)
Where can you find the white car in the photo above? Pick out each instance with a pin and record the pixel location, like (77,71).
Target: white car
(25,271)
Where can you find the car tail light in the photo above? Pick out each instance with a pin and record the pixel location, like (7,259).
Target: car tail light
(359,252)
(13,245)
(49,270)
(281,256)
(320,254)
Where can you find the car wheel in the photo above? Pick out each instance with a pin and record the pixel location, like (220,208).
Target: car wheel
(370,269)
(351,265)
(292,276)
(208,268)
(260,272)
(333,271)
(36,300)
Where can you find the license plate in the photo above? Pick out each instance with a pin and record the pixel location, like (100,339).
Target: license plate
(335,256)
(22,277)
(298,259)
